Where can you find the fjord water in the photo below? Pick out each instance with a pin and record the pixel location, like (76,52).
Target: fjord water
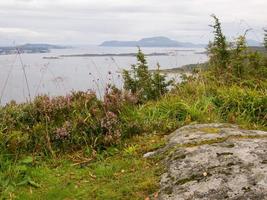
(65,74)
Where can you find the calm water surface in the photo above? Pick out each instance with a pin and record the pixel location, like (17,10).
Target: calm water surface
(60,76)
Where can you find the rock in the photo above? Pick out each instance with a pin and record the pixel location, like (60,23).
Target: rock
(149,154)
(213,162)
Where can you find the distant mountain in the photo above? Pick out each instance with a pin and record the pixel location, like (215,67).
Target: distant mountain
(30,48)
(254,43)
(151,42)
(45,46)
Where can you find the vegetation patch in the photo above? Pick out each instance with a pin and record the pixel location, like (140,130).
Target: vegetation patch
(111,175)
(210,130)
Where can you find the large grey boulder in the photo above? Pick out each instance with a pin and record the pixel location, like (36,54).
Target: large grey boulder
(213,162)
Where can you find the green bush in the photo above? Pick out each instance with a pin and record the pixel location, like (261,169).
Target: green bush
(144,84)
(265,39)
(50,125)
(233,62)
(235,103)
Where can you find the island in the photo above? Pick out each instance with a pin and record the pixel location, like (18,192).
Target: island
(152,42)
(113,55)
(30,48)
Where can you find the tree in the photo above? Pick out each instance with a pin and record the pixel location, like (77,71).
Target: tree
(141,82)
(129,81)
(265,38)
(238,57)
(160,84)
(218,49)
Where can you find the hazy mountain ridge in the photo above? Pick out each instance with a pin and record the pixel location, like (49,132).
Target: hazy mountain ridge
(30,48)
(254,43)
(162,41)
(151,42)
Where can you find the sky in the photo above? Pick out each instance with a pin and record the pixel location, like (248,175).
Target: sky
(85,22)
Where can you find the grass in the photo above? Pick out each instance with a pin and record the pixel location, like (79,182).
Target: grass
(114,170)
(117,170)
(118,173)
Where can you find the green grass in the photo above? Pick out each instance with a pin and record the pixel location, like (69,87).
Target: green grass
(118,173)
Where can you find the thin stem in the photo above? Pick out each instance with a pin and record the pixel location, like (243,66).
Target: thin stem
(25,75)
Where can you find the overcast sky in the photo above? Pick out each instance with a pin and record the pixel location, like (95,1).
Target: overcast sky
(93,21)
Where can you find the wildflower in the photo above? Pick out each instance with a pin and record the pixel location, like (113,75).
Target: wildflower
(62,133)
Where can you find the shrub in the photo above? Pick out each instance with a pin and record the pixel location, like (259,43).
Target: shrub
(144,84)
(51,125)
(218,49)
(265,39)
(234,63)
(235,103)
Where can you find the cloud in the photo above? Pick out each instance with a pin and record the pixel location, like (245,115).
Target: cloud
(90,21)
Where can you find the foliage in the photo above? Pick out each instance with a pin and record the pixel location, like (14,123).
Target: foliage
(218,49)
(15,174)
(54,125)
(141,82)
(238,56)
(235,63)
(112,176)
(265,39)
(235,104)
(196,100)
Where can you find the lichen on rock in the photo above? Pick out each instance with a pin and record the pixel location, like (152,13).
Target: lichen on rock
(214,161)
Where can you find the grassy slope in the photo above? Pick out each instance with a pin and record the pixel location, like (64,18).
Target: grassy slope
(119,173)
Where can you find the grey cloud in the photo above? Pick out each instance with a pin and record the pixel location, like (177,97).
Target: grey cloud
(90,21)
